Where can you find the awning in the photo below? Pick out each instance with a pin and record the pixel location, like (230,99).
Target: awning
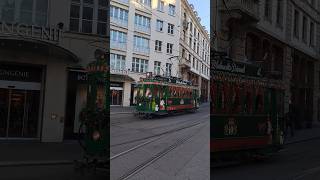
(121,77)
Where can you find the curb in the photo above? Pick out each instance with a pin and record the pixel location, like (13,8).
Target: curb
(115,113)
(34,163)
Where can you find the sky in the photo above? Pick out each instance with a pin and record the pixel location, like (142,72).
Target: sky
(203,9)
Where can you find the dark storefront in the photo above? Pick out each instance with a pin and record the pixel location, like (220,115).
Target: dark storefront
(302,87)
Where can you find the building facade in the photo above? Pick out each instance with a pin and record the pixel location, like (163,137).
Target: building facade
(43,57)
(144,37)
(282,37)
(195,50)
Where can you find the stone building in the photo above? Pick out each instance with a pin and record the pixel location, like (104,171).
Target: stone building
(282,36)
(195,49)
(45,46)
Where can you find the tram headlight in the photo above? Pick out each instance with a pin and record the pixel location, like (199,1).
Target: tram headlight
(96,135)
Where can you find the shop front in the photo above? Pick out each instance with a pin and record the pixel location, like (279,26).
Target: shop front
(20,95)
(116,90)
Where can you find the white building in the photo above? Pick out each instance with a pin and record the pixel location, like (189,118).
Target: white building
(144,37)
(45,46)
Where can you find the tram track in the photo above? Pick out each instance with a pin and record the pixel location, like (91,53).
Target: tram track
(189,125)
(149,161)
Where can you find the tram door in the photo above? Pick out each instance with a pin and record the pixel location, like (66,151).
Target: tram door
(19,113)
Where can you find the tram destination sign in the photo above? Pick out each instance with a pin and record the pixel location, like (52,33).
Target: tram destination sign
(30,31)
(20,73)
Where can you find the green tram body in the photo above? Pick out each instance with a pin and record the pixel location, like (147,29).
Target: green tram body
(246,115)
(158,97)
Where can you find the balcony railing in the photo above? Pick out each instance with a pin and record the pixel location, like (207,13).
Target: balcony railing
(141,50)
(249,7)
(118,45)
(144,29)
(119,22)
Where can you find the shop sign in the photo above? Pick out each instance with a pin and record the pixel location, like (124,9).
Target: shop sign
(19,73)
(31,31)
(119,71)
(116,84)
(237,67)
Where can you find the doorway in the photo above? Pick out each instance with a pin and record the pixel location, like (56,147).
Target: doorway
(19,113)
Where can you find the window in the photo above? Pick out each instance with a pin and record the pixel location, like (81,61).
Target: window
(189,57)
(119,15)
(157,67)
(268,10)
(304,29)
(118,36)
(170,28)
(190,41)
(145,2)
(29,12)
(102,22)
(160,5)
(142,22)
(198,48)
(279,19)
(85,17)
(117,62)
(159,25)
(168,69)
(158,45)
(169,48)
(141,44)
(183,54)
(296,24)
(193,62)
(197,65)
(172,9)
(139,65)
(311,43)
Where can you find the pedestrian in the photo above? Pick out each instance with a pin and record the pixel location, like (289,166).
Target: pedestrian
(289,122)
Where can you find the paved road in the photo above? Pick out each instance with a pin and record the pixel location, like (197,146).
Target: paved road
(165,148)
(299,161)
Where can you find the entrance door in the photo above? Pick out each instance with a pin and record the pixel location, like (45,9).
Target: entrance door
(19,113)
(116,97)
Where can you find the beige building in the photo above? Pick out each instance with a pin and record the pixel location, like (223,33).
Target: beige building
(144,37)
(282,37)
(43,56)
(195,50)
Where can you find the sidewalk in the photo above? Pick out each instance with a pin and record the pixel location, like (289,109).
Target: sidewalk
(122,110)
(36,153)
(304,135)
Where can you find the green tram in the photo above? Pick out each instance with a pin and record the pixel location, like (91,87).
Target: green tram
(159,95)
(246,112)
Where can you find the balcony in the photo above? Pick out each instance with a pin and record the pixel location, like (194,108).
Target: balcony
(119,22)
(118,45)
(247,9)
(143,29)
(185,63)
(141,50)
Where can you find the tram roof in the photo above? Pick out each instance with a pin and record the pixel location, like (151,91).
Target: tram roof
(165,81)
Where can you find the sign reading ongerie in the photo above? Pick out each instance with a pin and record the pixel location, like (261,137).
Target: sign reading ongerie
(31,31)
